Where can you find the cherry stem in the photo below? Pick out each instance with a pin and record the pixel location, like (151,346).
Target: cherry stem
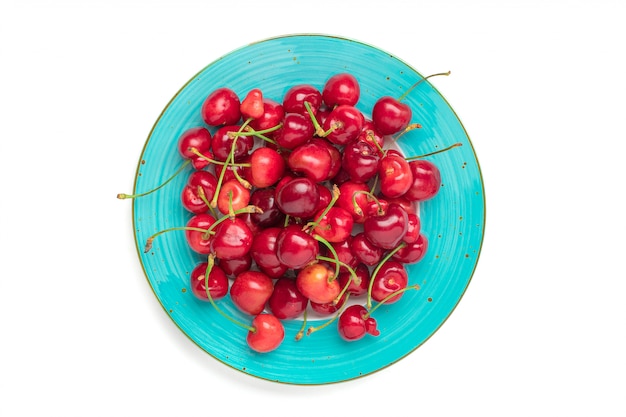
(375,272)
(333,251)
(328,322)
(249,131)
(215,161)
(407,92)
(454,145)
(370,195)
(205,200)
(353,276)
(229,159)
(211,262)
(123,196)
(335,197)
(319,130)
(301,332)
(389,297)
(154,236)
(406,130)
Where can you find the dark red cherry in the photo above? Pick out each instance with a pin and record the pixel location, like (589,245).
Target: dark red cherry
(365,251)
(235,266)
(296,248)
(353,197)
(250,291)
(273,114)
(426,180)
(312,160)
(360,160)
(359,284)
(344,124)
(335,226)
(200,187)
(265,199)
(198,138)
(412,252)
(296,129)
(294,98)
(232,239)
(353,324)
(391,277)
(286,301)
(263,252)
(299,197)
(222,142)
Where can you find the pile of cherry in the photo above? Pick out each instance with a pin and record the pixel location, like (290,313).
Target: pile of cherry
(302,204)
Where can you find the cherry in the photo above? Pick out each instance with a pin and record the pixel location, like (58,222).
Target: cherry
(222,143)
(286,301)
(198,191)
(387,230)
(343,124)
(311,159)
(232,239)
(365,251)
(217,282)
(299,197)
(273,114)
(370,135)
(326,309)
(267,166)
(197,236)
(294,98)
(426,180)
(265,199)
(232,196)
(296,129)
(264,252)
(390,278)
(354,323)
(356,286)
(295,248)
(198,138)
(342,88)
(221,107)
(267,333)
(335,156)
(390,116)
(353,197)
(395,174)
(250,291)
(414,227)
(334,226)
(413,252)
(360,160)
(251,106)
(343,250)
(235,266)
(326,197)
(317,283)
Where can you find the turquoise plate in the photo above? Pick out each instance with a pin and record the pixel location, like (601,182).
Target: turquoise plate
(453,221)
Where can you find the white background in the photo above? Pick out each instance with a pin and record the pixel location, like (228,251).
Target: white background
(540,87)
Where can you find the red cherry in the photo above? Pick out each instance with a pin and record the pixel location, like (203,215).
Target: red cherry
(198,138)
(267,166)
(365,251)
(232,195)
(294,98)
(251,106)
(299,197)
(395,174)
(218,282)
(265,200)
(335,226)
(413,252)
(387,230)
(390,115)
(222,143)
(286,302)
(426,180)
(390,278)
(295,130)
(250,291)
(370,135)
(326,309)
(199,241)
(312,160)
(353,324)
(267,334)
(232,239)
(342,88)
(357,286)
(235,266)
(296,248)
(221,107)
(414,227)
(360,160)
(273,114)
(317,283)
(343,124)
(264,252)
(200,188)
(353,197)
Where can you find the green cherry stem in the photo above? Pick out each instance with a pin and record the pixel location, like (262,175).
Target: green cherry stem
(215,161)
(210,263)
(335,196)
(454,145)
(301,332)
(333,251)
(123,196)
(407,92)
(157,234)
(389,297)
(352,278)
(375,272)
(312,329)
(319,130)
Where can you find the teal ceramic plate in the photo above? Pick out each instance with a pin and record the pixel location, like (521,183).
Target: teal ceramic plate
(453,221)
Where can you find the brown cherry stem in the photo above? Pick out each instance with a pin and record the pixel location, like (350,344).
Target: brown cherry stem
(301,331)
(154,236)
